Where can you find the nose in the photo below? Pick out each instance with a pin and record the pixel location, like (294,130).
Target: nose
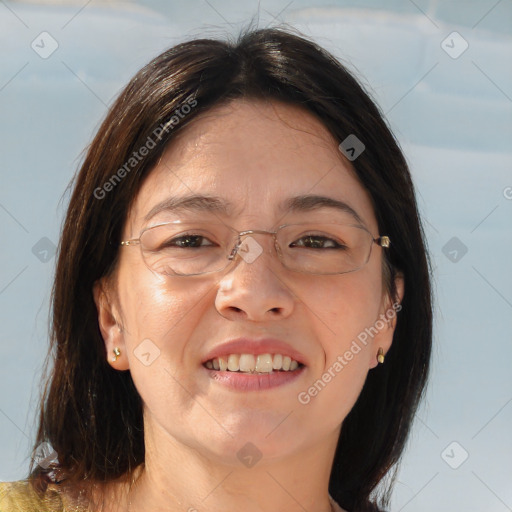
(253,287)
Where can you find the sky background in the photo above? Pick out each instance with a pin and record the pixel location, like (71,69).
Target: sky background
(441,72)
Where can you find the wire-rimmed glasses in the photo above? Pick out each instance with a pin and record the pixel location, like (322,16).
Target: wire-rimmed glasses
(190,248)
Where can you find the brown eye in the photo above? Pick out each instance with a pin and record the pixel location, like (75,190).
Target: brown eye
(188,241)
(317,242)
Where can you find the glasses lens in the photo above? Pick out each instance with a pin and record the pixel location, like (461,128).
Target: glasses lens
(186,248)
(324,248)
(193,248)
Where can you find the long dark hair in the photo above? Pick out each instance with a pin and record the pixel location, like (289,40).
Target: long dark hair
(92,414)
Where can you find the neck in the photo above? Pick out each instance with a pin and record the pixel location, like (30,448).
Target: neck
(177,477)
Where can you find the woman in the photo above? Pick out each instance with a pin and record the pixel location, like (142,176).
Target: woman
(242,313)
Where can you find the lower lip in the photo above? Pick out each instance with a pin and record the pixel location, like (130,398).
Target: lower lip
(252,381)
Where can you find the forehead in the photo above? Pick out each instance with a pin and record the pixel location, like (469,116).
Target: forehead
(255,156)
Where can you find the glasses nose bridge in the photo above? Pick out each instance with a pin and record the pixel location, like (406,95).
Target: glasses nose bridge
(242,234)
(258,231)
(250,232)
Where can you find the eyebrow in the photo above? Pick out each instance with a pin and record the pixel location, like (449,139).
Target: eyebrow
(219,205)
(195,202)
(306,203)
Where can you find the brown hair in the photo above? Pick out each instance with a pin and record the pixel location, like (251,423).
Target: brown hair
(92,414)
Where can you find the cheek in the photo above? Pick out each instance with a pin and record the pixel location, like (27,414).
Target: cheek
(344,308)
(161,309)
(345,305)
(160,314)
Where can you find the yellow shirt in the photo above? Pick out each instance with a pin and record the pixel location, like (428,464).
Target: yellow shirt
(20,497)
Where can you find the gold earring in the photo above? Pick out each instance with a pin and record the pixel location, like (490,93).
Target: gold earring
(117,353)
(380,355)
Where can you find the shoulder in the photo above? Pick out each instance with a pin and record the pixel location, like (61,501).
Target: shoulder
(21,497)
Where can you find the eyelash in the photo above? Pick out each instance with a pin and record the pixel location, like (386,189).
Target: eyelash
(173,241)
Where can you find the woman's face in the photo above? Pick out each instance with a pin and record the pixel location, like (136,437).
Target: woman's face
(256,157)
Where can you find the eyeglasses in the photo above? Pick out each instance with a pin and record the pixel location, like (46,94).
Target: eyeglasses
(183,248)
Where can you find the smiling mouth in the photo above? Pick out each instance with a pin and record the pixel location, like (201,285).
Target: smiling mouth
(253,364)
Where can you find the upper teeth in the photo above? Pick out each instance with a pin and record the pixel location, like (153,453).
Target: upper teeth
(262,363)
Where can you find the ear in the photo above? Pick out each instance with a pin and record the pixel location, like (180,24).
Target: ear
(386,322)
(110,328)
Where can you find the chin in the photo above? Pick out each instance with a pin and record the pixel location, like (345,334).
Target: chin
(257,435)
